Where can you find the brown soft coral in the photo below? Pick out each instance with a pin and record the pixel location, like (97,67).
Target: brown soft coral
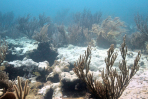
(113,83)
(8,95)
(5,83)
(42,36)
(19,92)
(4,75)
(109,30)
(137,41)
(3,50)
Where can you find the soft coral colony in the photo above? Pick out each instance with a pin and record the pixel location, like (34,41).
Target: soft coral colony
(20,94)
(113,83)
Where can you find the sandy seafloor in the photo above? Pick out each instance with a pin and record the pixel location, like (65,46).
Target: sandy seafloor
(138,86)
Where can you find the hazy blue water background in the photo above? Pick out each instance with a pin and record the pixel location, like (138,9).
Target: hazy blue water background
(125,9)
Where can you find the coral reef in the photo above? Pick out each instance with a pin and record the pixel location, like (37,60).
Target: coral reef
(137,41)
(27,26)
(109,31)
(85,19)
(58,67)
(43,19)
(28,69)
(19,92)
(113,83)
(78,35)
(141,24)
(49,70)
(63,35)
(79,32)
(3,50)
(19,48)
(45,51)
(5,84)
(42,36)
(72,86)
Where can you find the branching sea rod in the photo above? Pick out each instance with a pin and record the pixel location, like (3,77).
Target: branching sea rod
(114,83)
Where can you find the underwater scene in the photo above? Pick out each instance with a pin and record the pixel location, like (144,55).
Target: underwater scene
(73,49)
